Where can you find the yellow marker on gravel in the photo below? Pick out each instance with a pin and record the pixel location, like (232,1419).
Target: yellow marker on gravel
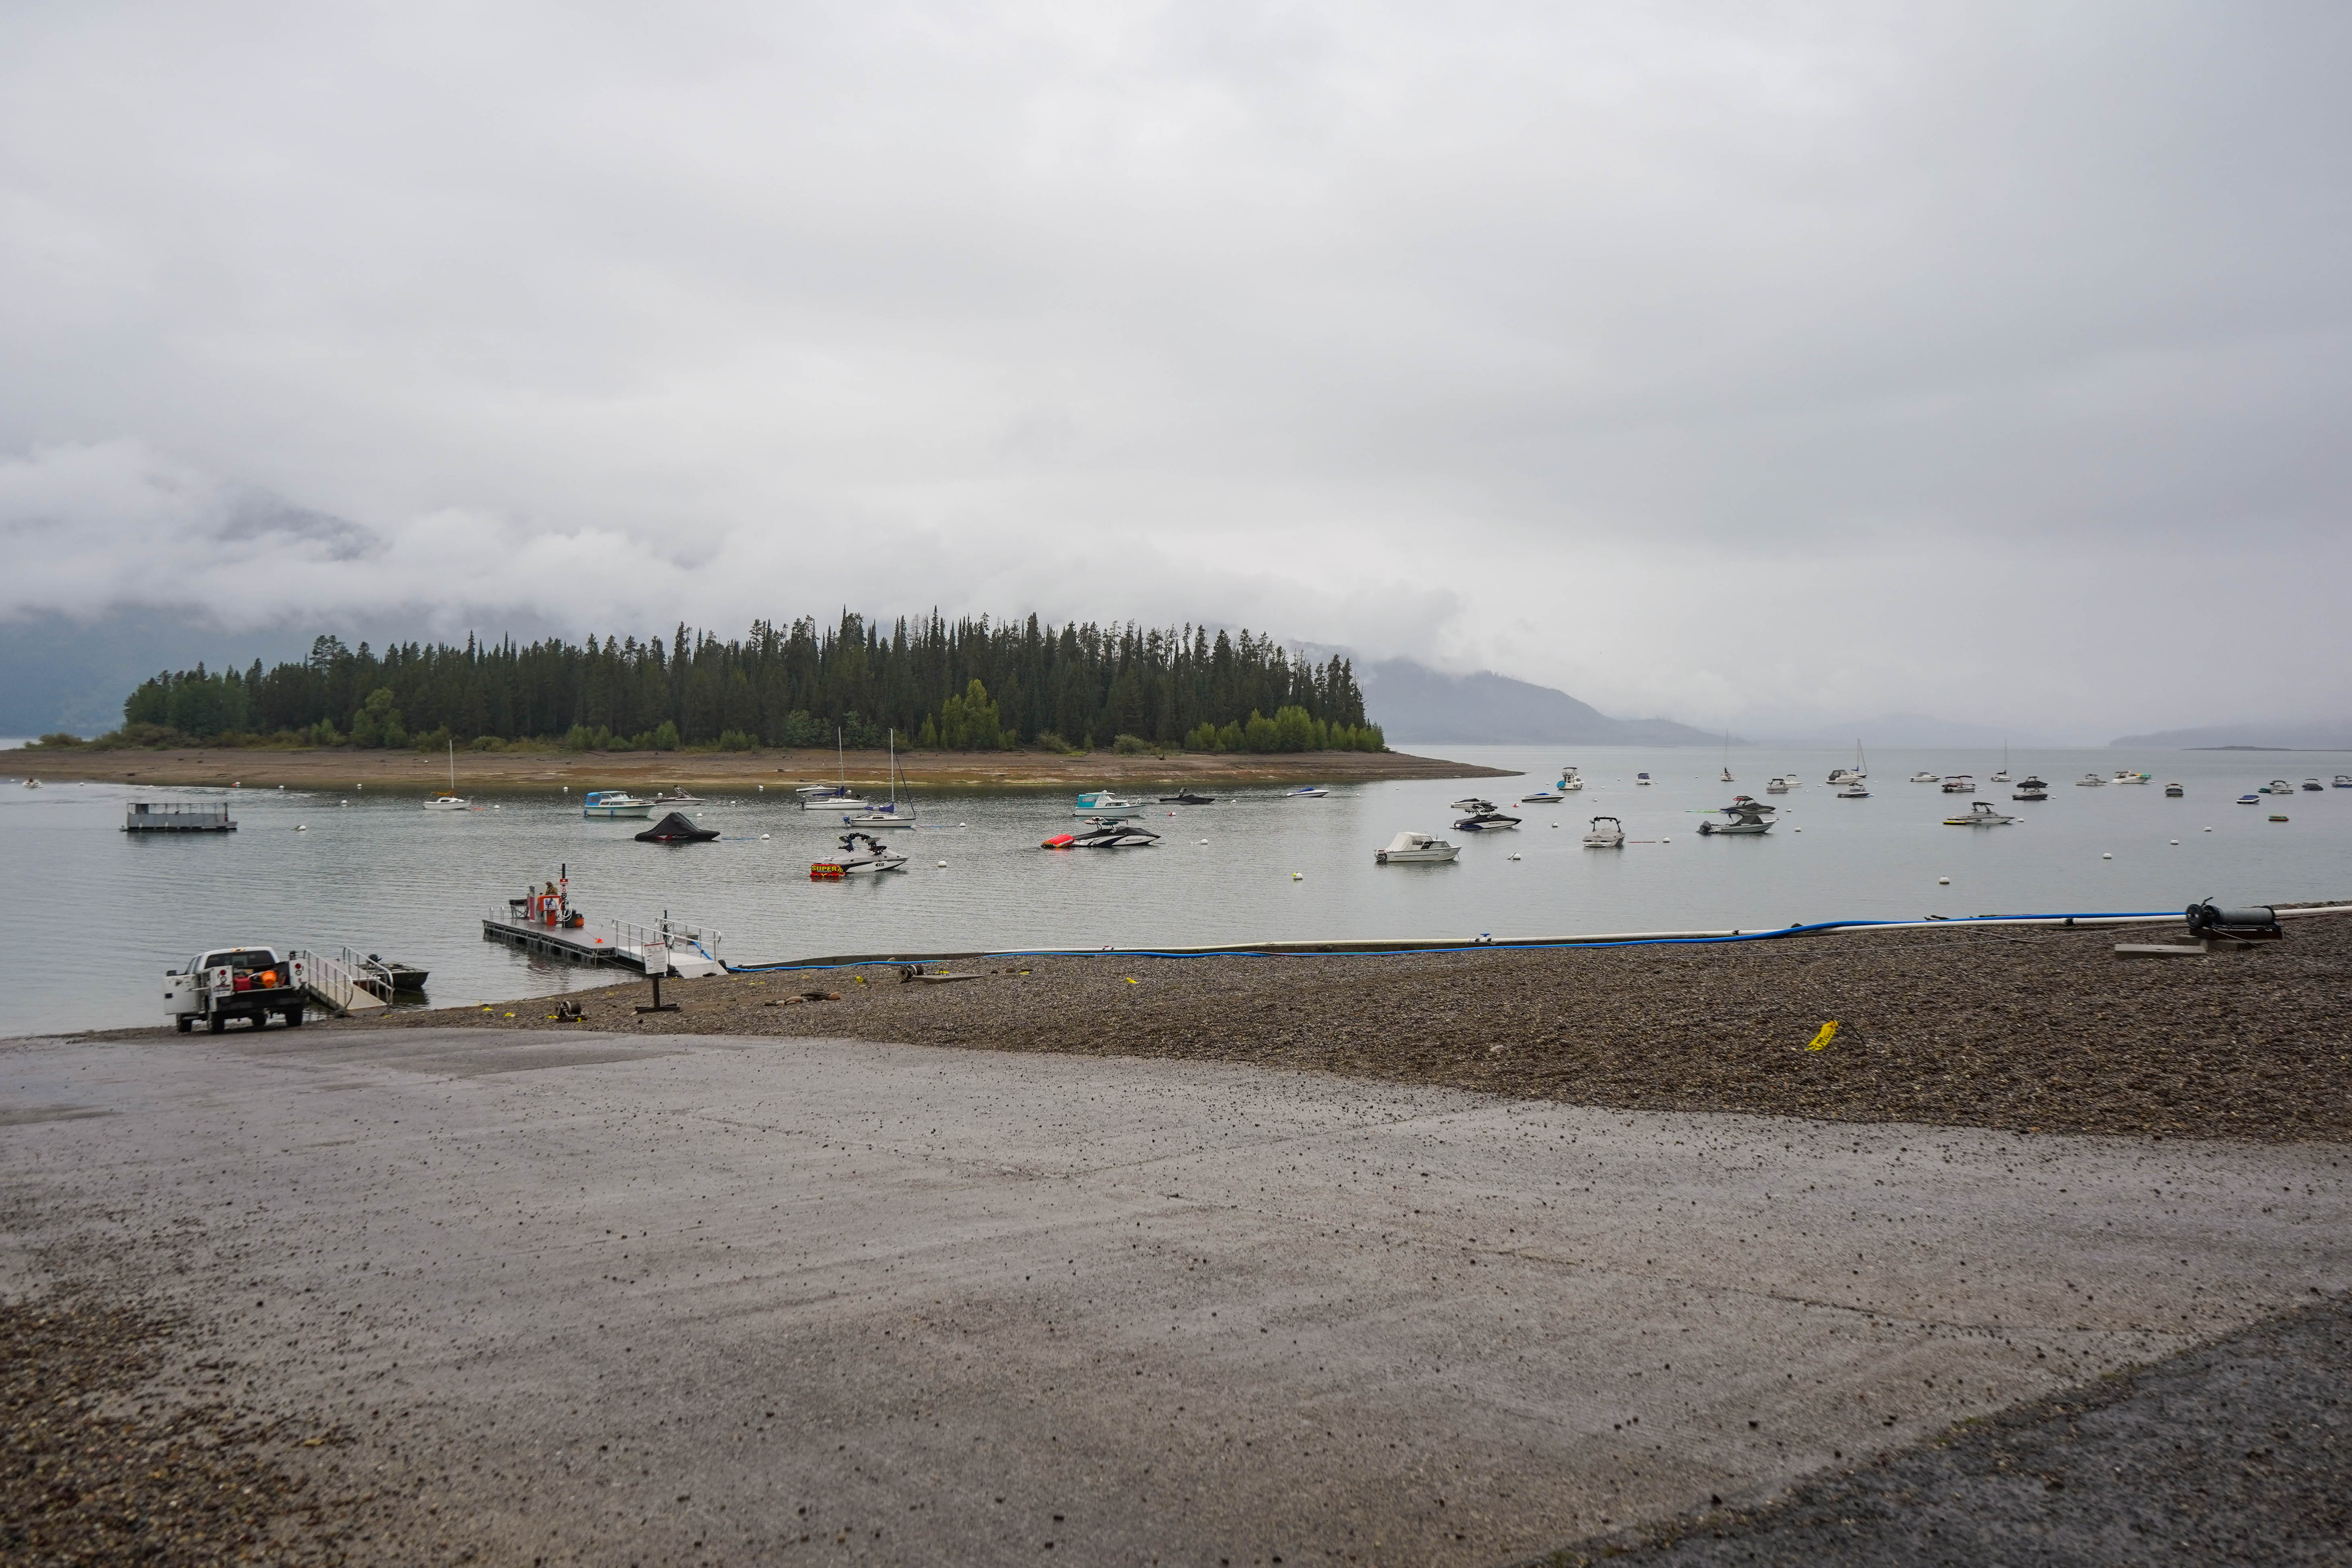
(1829,1033)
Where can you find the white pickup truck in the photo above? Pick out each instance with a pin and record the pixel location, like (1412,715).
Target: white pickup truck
(248,983)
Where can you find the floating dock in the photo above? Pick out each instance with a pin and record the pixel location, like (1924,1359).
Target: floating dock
(676,948)
(177,816)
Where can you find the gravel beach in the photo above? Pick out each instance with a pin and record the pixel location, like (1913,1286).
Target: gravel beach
(2019,1028)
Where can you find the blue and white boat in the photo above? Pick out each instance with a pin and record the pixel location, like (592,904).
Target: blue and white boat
(1305,792)
(1094,802)
(612,804)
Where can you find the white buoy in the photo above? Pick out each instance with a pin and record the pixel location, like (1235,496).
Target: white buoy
(764,837)
(2106,856)
(1943,881)
(1298,876)
(1515,856)
(2176,844)
(1204,841)
(302,827)
(943,865)
(2208,830)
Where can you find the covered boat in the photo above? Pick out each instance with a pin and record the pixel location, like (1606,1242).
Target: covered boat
(1609,836)
(677,828)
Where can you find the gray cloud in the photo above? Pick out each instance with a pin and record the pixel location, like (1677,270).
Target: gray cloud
(1754,364)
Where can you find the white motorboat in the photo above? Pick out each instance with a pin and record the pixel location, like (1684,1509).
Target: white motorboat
(831,797)
(1743,816)
(2174,792)
(612,804)
(676,797)
(1407,847)
(1570,781)
(891,814)
(1471,803)
(2343,781)
(1486,821)
(2313,786)
(1305,792)
(1094,802)
(2125,776)
(2278,786)
(862,855)
(2030,788)
(1611,837)
(1544,797)
(1641,778)
(1852,789)
(1105,833)
(2090,781)
(1960,784)
(1980,814)
(1925,777)
(449,799)
(1778,786)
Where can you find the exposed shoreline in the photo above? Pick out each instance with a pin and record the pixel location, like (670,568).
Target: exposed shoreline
(538,772)
(2020,1030)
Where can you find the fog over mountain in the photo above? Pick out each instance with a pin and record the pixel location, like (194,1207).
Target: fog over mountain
(1757,365)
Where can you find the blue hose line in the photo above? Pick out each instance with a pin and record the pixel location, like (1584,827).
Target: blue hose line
(1465,947)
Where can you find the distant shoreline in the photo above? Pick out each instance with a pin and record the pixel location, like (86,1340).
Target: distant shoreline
(538,772)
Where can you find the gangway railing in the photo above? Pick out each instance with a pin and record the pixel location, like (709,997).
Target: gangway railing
(335,982)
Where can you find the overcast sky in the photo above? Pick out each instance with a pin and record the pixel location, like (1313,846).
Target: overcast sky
(1745,364)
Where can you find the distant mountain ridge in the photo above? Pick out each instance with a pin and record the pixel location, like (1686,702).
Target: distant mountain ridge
(1412,703)
(2282,737)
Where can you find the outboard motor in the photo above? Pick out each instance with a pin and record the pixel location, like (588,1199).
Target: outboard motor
(2258,924)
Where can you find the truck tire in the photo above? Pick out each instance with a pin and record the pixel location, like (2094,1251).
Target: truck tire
(217,1022)
(293,1018)
(257,1020)
(185,1023)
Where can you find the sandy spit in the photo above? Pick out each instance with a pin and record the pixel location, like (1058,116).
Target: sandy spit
(538,772)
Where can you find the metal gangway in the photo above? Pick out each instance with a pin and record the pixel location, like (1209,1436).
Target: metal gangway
(342,981)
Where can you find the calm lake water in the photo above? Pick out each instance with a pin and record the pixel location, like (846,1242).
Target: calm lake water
(94,916)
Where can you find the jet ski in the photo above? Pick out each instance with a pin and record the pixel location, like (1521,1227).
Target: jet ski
(677,828)
(853,861)
(1106,833)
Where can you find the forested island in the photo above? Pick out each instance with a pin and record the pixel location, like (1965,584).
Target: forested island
(969,685)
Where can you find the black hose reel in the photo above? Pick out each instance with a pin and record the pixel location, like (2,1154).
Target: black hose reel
(2257,924)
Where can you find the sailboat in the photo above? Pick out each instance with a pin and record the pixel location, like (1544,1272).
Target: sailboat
(890,814)
(833,797)
(2002,776)
(1853,778)
(449,799)
(1727,757)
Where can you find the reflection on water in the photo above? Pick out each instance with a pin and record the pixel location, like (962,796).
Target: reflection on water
(95,915)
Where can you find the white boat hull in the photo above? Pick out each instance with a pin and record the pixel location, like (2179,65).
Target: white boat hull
(1604,841)
(616,812)
(1744,829)
(1407,857)
(448,803)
